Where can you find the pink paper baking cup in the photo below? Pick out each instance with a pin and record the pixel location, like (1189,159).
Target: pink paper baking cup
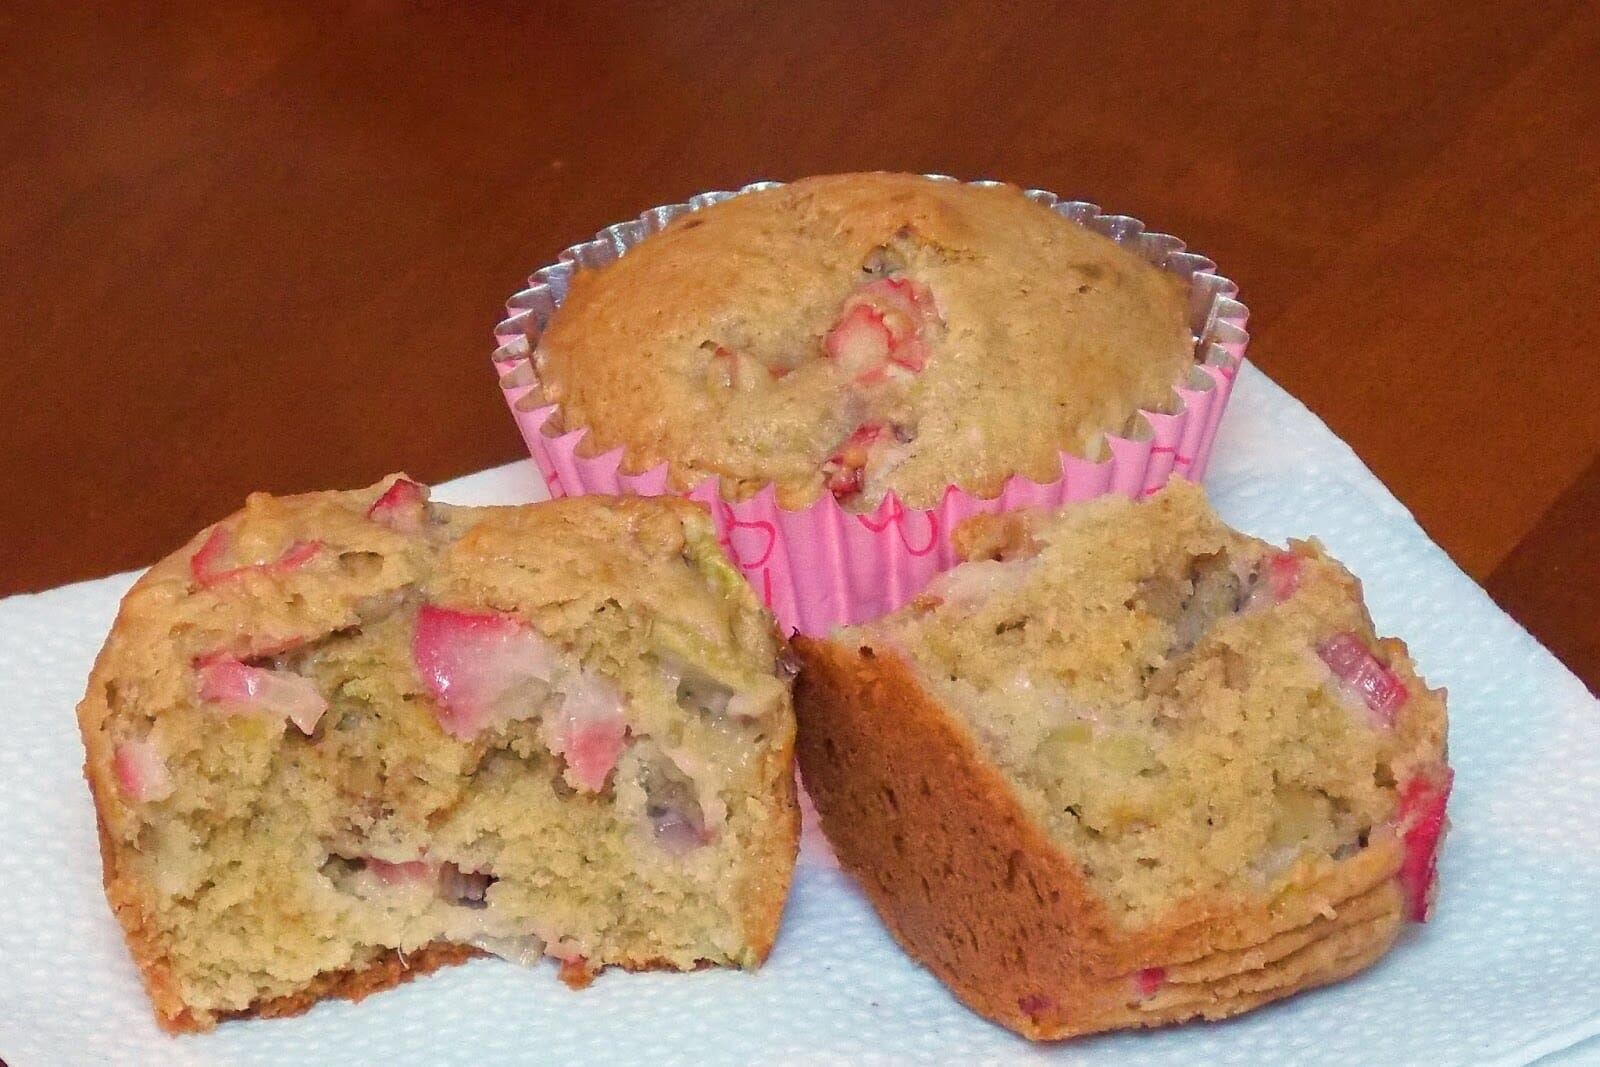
(823,566)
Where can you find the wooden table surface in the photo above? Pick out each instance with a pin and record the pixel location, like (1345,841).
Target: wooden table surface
(262,245)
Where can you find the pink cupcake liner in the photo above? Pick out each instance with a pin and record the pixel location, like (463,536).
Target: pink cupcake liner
(823,566)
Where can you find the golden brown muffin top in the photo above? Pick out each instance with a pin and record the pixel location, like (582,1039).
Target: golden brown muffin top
(863,333)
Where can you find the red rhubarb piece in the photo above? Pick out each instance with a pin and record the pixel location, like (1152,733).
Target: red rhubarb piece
(844,482)
(207,564)
(142,774)
(906,296)
(1149,980)
(1362,675)
(588,732)
(408,873)
(470,662)
(860,342)
(241,689)
(910,354)
(403,507)
(1283,575)
(1276,579)
(843,471)
(1422,805)
(879,334)
(294,557)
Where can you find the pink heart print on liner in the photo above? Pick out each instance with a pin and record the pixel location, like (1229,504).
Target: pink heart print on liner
(749,544)
(824,566)
(897,519)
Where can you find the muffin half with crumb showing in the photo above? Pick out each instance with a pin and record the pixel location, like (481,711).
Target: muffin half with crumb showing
(1127,767)
(344,738)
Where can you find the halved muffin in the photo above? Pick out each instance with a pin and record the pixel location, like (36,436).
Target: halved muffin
(1126,767)
(342,738)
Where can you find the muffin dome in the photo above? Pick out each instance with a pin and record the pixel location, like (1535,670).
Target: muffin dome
(863,333)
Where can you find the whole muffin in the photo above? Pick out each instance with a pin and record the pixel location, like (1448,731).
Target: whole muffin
(862,333)
(1129,767)
(343,738)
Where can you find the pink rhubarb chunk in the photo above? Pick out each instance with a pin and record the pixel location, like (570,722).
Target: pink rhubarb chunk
(904,296)
(879,333)
(1277,578)
(844,472)
(860,341)
(1360,674)
(907,308)
(1283,575)
(242,689)
(1149,980)
(471,661)
(141,773)
(589,731)
(1422,805)
(208,564)
(403,507)
(409,873)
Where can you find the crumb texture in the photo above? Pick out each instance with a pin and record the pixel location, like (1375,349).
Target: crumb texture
(1160,768)
(341,732)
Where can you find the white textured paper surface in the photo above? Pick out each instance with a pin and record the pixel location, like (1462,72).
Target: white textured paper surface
(1508,971)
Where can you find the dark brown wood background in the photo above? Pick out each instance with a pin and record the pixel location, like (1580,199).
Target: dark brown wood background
(262,245)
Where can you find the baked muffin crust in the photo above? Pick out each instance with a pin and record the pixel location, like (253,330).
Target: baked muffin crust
(864,333)
(1127,766)
(347,737)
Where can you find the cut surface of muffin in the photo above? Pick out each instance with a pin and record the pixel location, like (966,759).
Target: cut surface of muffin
(345,737)
(1163,769)
(856,334)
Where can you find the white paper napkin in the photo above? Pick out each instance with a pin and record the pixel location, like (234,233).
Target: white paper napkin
(1509,969)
